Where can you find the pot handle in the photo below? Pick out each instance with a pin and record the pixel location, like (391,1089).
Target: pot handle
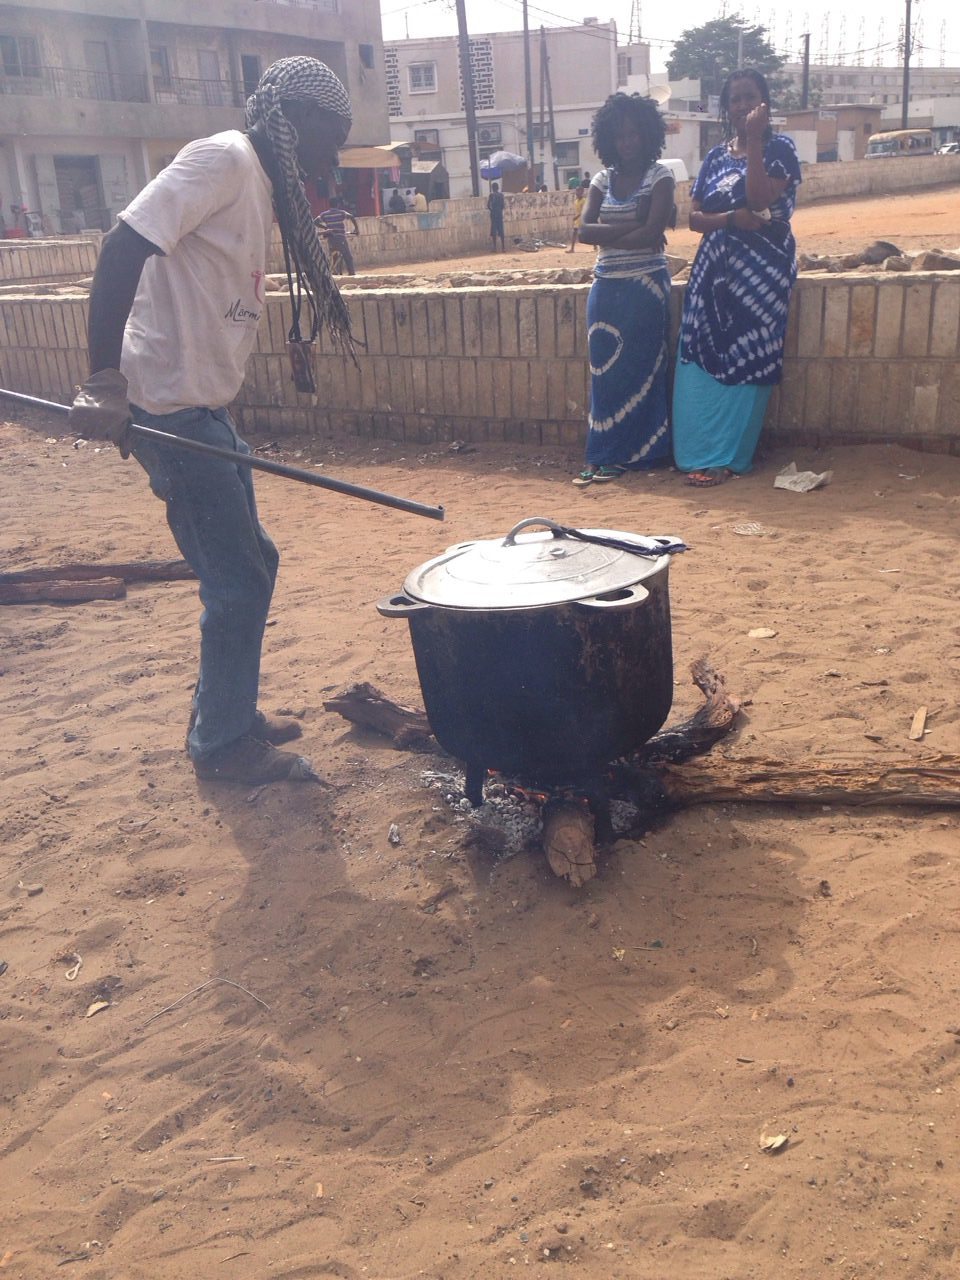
(400,606)
(621,598)
(556,529)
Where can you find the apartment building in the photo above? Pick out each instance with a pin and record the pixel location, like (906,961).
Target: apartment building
(573,68)
(97,95)
(842,85)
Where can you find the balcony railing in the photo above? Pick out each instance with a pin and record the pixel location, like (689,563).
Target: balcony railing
(198,93)
(77,82)
(104,86)
(324,6)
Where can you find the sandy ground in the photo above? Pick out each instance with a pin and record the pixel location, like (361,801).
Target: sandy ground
(928,219)
(438,1063)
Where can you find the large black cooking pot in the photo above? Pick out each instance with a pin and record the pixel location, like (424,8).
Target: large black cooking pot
(540,655)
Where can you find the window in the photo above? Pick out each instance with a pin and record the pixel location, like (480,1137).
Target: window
(426,145)
(422,77)
(490,135)
(160,67)
(366,56)
(251,69)
(20,55)
(567,153)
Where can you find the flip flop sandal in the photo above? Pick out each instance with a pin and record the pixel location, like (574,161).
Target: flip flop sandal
(605,474)
(709,477)
(586,476)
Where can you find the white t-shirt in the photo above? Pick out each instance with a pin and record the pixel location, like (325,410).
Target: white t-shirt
(194,319)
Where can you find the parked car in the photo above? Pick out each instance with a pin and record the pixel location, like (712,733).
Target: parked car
(949,149)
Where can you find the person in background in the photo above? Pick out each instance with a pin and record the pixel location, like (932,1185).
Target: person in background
(175,302)
(736,302)
(420,202)
(629,207)
(495,207)
(396,203)
(579,201)
(332,224)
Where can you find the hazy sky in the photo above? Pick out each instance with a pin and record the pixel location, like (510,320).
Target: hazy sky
(868,34)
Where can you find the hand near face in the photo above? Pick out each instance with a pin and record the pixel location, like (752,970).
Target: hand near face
(757,123)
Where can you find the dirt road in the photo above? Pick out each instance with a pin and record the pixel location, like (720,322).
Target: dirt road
(439,1063)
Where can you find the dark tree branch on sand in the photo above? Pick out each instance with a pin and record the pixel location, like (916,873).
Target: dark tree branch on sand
(406,727)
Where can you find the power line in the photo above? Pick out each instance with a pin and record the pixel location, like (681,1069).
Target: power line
(605,34)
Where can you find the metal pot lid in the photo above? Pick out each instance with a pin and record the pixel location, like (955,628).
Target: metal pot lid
(533,570)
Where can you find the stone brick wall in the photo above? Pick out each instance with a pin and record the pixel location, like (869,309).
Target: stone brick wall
(47,261)
(869,358)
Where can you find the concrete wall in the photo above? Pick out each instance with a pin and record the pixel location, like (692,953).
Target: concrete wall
(876,177)
(454,227)
(451,228)
(869,358)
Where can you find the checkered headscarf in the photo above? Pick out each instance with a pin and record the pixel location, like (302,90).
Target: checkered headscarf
(303,79)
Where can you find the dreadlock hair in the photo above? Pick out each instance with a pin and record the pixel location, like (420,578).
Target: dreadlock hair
(743,73)
(643,113)
(308,274)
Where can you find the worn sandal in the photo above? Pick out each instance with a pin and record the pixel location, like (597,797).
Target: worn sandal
(604,474)
(709,477)
(586,476)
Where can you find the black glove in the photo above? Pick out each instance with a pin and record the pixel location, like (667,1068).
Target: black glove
(101,410)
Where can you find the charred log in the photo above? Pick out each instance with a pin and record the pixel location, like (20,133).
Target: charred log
(406,727)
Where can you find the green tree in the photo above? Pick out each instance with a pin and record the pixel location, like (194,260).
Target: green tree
(789,98)
(709,53)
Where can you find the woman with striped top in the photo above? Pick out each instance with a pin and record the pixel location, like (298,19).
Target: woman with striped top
(628,211)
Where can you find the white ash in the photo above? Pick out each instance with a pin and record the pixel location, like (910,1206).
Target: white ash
(519,821)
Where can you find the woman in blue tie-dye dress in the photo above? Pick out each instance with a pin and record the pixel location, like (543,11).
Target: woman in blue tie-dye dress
(736,302)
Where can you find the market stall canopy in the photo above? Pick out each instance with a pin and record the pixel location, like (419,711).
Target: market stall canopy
(384,157)
(499,163)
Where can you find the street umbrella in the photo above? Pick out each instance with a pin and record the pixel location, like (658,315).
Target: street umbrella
(499,163)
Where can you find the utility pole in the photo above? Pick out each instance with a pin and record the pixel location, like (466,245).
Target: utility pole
(543,105)
(740,48)
(466,76)
(805,88)
(907,40)
(552,125)
(528,85)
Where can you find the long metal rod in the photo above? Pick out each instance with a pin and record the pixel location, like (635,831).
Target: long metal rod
(255,463)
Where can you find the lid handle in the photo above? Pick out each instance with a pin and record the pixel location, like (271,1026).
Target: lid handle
(620,598)
(557,529)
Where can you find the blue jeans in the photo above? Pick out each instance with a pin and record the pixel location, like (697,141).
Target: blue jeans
(212,514)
